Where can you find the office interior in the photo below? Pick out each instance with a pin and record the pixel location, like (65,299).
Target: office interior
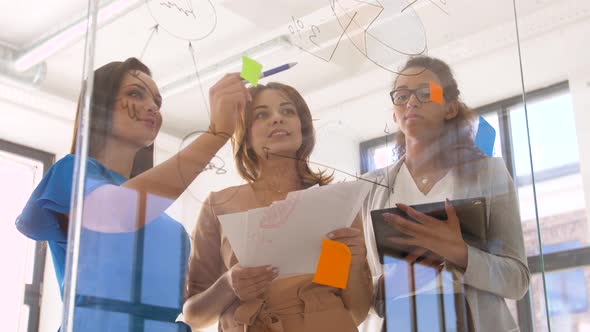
(523,65)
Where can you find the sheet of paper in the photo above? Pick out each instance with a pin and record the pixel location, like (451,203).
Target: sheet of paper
(288,234)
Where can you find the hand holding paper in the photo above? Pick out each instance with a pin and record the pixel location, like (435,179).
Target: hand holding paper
(354,239)
(288,234)
(249,282)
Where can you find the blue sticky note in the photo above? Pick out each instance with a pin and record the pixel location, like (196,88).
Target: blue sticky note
(486,136)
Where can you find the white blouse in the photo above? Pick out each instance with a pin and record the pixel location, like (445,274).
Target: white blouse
(406,190)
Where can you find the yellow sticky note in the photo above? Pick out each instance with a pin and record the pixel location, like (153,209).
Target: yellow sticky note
(333,265)
(251,70)
(436,93)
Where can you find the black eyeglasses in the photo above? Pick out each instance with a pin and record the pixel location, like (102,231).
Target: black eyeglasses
(402,96)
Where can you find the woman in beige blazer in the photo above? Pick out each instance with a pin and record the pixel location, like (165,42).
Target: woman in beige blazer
(272,144)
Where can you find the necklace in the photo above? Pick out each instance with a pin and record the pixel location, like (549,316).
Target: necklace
(423,184)
(424,180)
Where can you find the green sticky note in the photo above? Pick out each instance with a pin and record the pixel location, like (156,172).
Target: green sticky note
(251,70)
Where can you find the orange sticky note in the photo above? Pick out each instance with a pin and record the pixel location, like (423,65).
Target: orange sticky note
(333,265)
(436,93)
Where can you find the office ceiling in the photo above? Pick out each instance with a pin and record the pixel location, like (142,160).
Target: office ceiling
(334,65)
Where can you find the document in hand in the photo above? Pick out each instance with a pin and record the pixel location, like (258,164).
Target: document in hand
(288,234)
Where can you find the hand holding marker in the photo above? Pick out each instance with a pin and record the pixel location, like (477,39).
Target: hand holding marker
(252,70)
(278,69)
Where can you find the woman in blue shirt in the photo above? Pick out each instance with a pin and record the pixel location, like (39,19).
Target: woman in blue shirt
(132,256)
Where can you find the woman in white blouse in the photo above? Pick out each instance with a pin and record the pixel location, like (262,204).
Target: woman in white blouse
(439,161)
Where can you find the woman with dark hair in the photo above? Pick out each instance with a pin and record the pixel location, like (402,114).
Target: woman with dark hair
(272,144)
(133,256)
(438,161)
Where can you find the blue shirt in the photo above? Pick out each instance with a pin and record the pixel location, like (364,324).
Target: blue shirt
(127,280)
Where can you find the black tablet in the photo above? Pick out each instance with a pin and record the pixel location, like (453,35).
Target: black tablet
(471,213)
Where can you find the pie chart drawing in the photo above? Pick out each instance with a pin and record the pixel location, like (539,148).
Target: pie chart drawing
(386,31)
(184,19)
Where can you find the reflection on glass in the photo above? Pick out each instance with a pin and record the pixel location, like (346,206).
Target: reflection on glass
(567,296)
(418,298)
(140,290)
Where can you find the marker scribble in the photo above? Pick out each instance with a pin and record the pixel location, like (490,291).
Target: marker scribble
(186,11)
(189,20)
(216,164)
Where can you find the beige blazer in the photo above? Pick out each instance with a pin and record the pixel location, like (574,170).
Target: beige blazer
(292,304)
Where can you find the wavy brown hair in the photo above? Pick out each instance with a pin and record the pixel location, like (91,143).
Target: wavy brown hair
(107,81)
(247,161)
(458,136)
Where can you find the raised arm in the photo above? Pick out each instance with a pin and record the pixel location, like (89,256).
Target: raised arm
(169,179)
(142,198)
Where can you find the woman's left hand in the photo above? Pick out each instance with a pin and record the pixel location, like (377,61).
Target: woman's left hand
(442,237)
(354,239)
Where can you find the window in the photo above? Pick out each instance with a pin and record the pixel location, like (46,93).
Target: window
(377,153)
(566,290)
(551,123)
(21,169)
